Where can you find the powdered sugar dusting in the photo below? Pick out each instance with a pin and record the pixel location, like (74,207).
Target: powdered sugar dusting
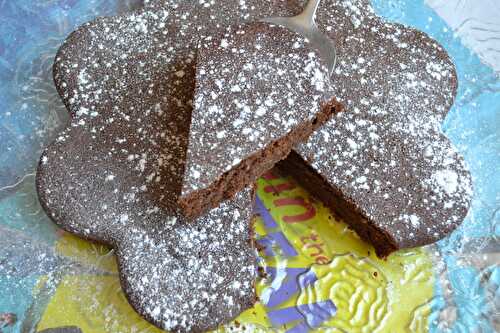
(191,267)
(112,99)
(244,82)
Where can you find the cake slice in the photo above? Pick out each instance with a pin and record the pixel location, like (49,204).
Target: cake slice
(260,90)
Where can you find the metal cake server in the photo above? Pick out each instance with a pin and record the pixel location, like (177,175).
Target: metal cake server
(305,25)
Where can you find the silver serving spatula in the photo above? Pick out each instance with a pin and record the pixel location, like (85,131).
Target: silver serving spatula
(305,25)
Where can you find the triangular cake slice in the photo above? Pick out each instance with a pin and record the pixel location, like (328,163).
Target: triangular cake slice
(260,89)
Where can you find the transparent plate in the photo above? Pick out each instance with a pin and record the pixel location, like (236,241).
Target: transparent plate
(320,276)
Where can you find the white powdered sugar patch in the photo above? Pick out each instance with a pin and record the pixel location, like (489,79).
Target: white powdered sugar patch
(447,180)
(412,219)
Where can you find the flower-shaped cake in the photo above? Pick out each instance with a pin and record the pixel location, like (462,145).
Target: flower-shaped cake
(114,175)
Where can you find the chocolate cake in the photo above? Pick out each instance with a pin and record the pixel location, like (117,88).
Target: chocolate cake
(383,165)
(115,174)
(260,89)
